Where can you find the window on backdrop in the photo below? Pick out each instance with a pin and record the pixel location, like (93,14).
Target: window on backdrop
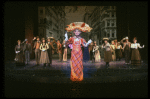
(112,14)
(112,34)
(112,23)
(108,22)
(108,35)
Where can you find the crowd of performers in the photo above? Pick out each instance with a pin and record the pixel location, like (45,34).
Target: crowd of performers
(44,50)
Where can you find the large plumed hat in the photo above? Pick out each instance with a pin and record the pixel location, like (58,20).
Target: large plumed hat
(78,25)
(105,39)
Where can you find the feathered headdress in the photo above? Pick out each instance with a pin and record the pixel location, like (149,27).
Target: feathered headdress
(78,25)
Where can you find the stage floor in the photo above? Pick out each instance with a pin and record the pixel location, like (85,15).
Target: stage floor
(95,74)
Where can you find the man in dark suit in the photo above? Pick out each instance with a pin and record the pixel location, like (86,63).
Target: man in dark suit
(32,44)
(27,49)
(90,51)
(51,47)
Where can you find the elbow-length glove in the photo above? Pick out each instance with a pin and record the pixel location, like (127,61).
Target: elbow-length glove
(66,36)
(90,41)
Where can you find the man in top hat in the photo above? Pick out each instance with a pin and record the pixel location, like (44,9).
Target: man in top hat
(27,49)
(107,52)
(37,50)
(126,49)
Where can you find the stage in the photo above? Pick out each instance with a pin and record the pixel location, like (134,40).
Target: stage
(119,80)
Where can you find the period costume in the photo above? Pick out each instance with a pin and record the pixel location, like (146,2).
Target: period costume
(113,48)
(44,55)
(19,54)
(27,49)
(96,53)
(91,51)
(118,52)
(135,56)
(76,53)
(126,49)
(37,51)
(64,51)
(59,50)
(33,49)
(49,50)
(70,47)
(86,55)
(107,52)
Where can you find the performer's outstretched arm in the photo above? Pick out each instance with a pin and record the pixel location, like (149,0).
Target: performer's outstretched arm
(140,46)
(86,44)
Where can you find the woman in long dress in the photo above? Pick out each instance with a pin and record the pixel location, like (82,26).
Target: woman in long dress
(126,49)
(76,53)
(19,53)
(113,47)
(44,59)
(135,56)
(107,52)
(96,52)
